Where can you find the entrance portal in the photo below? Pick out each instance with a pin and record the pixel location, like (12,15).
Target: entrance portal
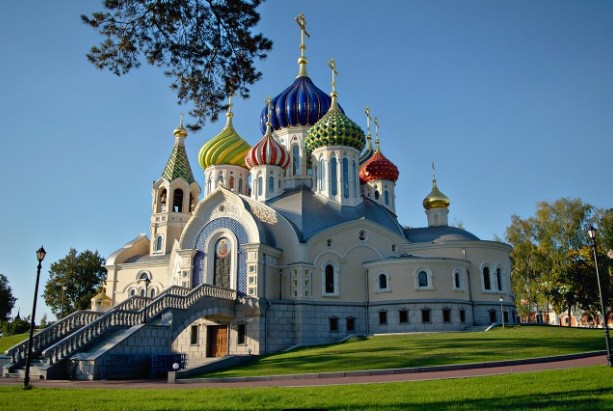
(217,340)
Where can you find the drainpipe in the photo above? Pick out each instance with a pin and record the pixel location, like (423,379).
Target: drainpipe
(470,291)
(367,305)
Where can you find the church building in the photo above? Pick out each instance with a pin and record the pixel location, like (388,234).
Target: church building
(296,240)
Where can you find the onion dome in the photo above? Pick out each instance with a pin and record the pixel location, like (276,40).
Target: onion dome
(226,148)
(436,199)
(378,167)
(267,151)
(335,128)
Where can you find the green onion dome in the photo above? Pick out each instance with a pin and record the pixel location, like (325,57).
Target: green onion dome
(335,129)
(226,148)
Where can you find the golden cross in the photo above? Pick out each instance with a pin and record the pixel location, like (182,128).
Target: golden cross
(376,120)
(433,171)
(268,103)
(301,20)
(332,65)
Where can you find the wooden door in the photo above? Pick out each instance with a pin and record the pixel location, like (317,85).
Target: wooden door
(217,339)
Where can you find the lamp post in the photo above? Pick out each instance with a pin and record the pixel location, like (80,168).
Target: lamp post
(63,292)
(501,312)
(40,256)
(591,232)
(147,281)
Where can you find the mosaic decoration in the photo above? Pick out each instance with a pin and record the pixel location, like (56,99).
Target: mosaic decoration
(239,231)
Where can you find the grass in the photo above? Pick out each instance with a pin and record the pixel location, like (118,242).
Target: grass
(8,341)
(584,388)
(416,350)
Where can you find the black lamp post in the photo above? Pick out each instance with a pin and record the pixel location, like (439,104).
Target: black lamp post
(147,281)
(40,256)
(591,232)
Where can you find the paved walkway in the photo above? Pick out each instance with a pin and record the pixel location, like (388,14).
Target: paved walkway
(296,381)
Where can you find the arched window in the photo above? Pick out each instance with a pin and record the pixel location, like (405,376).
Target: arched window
(333,176)
(295,160)
(376,194)
(158,243)
(422,279)
(132,292)
(382,282)
(457,281)
(271,184)
(345,178)
(323,175)
(240,185)
(231,182)
(162,201)
(499,278)
(219,180)
(223,262)
(487,283)
(152,292)
(329,280)
(177,201)
(386,196)
(259,184)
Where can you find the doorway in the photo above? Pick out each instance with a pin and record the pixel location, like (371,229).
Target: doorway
(217,340)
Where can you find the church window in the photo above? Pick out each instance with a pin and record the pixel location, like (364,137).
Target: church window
(193,335)
(376,194)
(345,178)
(152,292)
(425,315)
(499,278)
(219,180)
(132,292)
(323,175)
(240,334)
(446,315)
(177,201)
(457,280)
(295,160)
(330,280)
(162,201)
(271,184)
(333,324)
(422,279)
(350,323)
(382,282)
(142,292)
(487,282)
(333,174)
(382,317)
(223,253)
(240,185)
(403,316)
(259,184)
(232,183)
(362,235)
(386,196)
(462,316)
(208,186)
(158,243)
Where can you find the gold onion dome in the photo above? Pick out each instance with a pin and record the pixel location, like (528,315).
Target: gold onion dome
(226,148)
(180,131)
(436,199)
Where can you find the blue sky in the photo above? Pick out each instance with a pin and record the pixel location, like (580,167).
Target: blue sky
(510,99)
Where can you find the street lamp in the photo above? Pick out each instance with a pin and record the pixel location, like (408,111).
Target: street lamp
(147,281)
(501,312)
(63,292)
(40,256)
(591,232)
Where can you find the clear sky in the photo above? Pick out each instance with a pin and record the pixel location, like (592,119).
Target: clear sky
(511,99)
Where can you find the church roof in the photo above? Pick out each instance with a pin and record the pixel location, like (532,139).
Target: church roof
(178,165)
(310,214)
(438,234)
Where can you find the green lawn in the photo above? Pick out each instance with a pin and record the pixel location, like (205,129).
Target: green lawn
(8,341)
(586,388)
(416,350)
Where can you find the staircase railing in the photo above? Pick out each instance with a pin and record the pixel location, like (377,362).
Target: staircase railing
(130,313)
(51,334)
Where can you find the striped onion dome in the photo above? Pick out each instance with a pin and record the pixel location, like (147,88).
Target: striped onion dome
(378,167)
(226,148)
(301,104)
(267,152)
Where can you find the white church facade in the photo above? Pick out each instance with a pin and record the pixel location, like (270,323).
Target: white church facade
(301,226)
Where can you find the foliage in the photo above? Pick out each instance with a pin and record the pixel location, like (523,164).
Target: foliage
(17,326)
(73,281)
(207,47)
(582,388)
(552,257)
(7,300)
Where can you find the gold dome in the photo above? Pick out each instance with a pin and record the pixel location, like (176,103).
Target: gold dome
(180,131)
(436,199)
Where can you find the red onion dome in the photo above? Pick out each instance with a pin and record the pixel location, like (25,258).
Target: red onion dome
(378,167)
(267,152)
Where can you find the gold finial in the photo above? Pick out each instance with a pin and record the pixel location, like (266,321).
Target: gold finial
(302,60)
(368,118)
(229,114)
(268,115)
(180,131)
(332,65)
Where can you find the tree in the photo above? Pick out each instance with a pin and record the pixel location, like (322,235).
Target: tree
(206,46)
(7,301)
(551,256)
(73,280)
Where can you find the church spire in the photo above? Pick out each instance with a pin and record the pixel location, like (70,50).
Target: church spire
(178,163)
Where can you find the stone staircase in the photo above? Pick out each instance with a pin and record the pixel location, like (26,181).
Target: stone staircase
(83,330)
